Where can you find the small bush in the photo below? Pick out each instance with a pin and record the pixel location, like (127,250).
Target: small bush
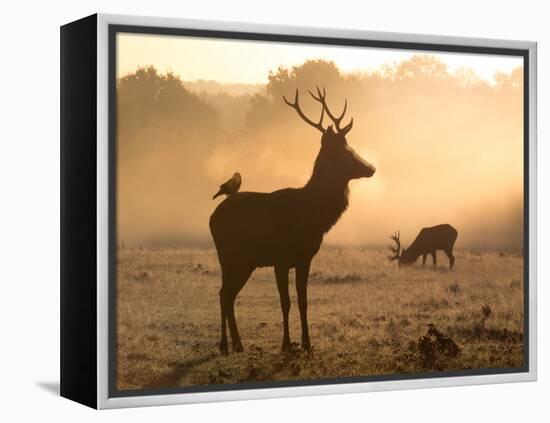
(454,288)
(479,328)
(435,347)
(486,312)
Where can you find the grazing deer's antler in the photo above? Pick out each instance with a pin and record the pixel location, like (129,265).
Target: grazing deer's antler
(321,98)
(394,250)
(296,106)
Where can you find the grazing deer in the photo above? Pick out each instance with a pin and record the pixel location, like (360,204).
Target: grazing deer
(285,228)
(428,241)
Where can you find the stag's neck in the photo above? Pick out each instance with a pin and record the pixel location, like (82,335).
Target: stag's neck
(328,200)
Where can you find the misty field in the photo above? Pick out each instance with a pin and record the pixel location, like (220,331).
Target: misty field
(366,317)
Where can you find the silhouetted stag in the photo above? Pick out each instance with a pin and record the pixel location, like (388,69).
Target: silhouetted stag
(285,228)
(428,241)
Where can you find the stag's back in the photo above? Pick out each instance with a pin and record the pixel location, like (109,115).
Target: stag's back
(264,229)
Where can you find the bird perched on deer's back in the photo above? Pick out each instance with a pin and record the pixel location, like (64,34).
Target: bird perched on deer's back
(229,187)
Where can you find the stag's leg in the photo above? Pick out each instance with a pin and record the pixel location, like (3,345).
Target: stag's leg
(281,274)
(302,274)
(451,258)
(232,284)
(223,342)
(424,260)
(434,257)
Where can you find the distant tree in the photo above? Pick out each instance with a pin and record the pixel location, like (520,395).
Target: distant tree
(232,109)
(420,67)
(305,76)
(467,78)
(146,97)
(269,107)
(509,82)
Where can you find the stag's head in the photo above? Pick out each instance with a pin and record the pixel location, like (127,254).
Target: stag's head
(336,158)
(399,254)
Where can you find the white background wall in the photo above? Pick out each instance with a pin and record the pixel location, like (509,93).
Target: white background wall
(29,182)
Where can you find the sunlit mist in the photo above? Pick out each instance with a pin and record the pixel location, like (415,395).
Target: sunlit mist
(444,131)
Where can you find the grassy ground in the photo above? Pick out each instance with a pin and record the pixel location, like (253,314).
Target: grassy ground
(366,316)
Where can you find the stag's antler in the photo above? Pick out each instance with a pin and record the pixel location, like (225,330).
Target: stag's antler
(394,250)
(296,106)
(321,98)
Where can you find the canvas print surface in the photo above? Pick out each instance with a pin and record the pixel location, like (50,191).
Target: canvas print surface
(301,212)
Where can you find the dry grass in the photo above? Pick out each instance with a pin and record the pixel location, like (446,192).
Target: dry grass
(366,317)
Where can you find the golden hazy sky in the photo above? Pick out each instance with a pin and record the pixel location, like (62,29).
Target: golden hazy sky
(243,61)
(444,153)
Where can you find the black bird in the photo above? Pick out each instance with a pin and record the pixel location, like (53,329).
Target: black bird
(229,187)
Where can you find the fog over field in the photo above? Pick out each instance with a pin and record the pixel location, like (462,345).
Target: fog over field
(447,146)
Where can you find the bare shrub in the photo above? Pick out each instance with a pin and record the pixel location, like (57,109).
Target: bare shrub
(434,348)
(454,288)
